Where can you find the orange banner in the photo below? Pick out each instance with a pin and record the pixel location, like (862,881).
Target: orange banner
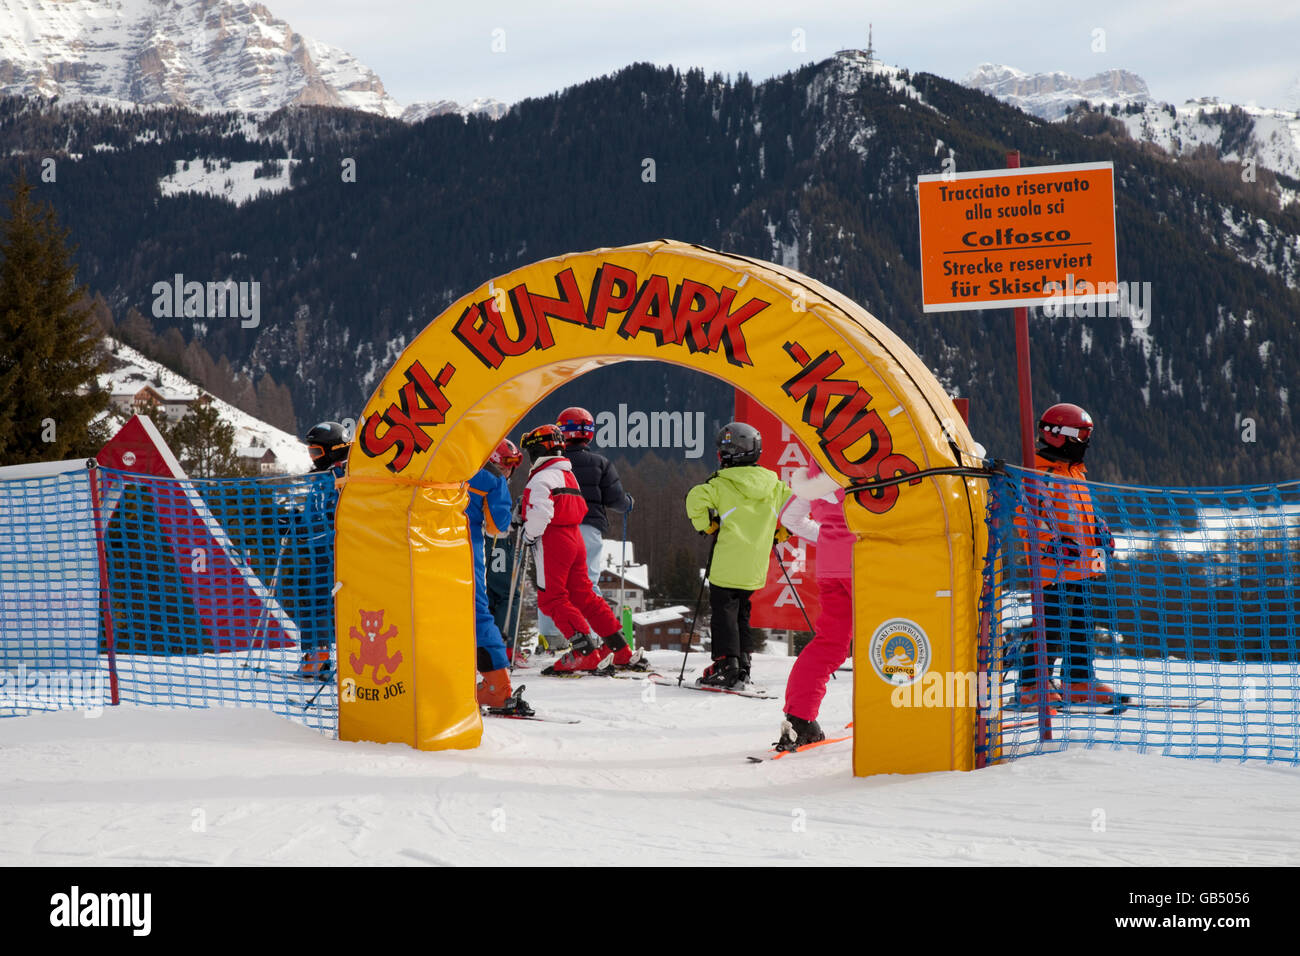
(1018,237)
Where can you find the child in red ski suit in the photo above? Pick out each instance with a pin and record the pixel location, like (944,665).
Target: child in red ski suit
(816,514)
(553,509)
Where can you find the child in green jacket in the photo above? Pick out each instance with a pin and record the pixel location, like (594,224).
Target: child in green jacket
(741,503)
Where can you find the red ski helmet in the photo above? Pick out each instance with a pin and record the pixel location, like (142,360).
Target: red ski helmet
(506,457)
(576,424)
(1064,423)
(542,441)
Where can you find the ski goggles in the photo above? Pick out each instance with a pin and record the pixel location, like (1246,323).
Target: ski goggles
(319,451)
(1070,431)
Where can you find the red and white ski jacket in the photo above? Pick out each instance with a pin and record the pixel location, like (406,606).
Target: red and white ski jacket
(552,497)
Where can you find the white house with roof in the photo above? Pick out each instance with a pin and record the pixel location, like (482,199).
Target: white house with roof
(663,627)
(133,390)
(622,580)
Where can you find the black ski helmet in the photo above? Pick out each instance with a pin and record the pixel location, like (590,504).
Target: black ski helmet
(739,444)
(328,445)
(544,441)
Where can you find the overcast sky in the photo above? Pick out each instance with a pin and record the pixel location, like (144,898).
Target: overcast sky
(1242,51)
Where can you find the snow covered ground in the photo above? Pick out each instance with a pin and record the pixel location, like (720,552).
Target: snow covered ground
(651,775)
(233,181)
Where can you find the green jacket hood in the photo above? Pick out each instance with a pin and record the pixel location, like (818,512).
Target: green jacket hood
(749,481)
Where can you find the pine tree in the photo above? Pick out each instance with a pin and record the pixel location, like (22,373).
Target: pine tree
(204,444)
(50,351)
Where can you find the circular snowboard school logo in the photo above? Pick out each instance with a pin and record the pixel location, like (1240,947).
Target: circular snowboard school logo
(900,652)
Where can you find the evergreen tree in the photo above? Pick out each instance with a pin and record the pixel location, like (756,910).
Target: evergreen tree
(50,350)
(205,445)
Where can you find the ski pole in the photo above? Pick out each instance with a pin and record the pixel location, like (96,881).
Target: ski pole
(700,597)
(793,590)
(263,618)
(523,576)
(312,701)
(776,549)
(517,558)
(622,572)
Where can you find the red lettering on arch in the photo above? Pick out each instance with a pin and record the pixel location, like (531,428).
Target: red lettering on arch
(839,411)
(567,307)
(724,326)
(651,312)
(690,324)
(604,299)
(475,332)
(421,405)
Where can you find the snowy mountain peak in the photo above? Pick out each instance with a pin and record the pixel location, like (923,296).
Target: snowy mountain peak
(481,106)
(1051,95)
(202,54)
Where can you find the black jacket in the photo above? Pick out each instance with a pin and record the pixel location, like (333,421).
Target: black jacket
(599,482)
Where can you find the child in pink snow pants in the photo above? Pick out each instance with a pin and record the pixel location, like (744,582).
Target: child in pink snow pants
(816,514)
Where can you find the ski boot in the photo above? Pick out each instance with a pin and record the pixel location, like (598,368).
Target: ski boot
(796,732)
(1026,695)
(515,705)
(494,689)
(744,667)
(625,659)
(724,672)
(315,666)
(1093,692)
(583,656)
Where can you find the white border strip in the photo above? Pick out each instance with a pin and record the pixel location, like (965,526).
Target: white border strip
(44,469)
(1017,171)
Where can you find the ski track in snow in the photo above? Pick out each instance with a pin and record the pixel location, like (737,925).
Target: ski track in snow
(649,777)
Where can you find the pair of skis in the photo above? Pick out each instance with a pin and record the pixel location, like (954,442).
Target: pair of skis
(514,710)
(1108,709)
(752,691)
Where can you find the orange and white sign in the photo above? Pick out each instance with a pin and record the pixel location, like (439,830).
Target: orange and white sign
(1018,237)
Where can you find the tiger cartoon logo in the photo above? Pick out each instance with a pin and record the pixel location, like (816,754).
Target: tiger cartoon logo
(374,647)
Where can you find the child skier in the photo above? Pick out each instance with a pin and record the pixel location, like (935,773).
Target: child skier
(328,445)
(598,480)
(816,514)
(489,507)
(553,507)
(1074,547)
(601,489)
(741,504)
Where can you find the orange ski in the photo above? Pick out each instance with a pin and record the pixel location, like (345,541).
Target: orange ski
(778,754)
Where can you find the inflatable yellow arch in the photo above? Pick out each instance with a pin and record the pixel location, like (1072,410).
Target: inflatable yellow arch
(848,387)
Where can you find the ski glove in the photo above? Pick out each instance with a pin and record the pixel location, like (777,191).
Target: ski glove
(782,535)
(1107,539)
(1063,549)
(714,523)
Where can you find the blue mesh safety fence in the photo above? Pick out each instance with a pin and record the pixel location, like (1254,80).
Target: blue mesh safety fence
(49,590)
(1161,619)
(219,592)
